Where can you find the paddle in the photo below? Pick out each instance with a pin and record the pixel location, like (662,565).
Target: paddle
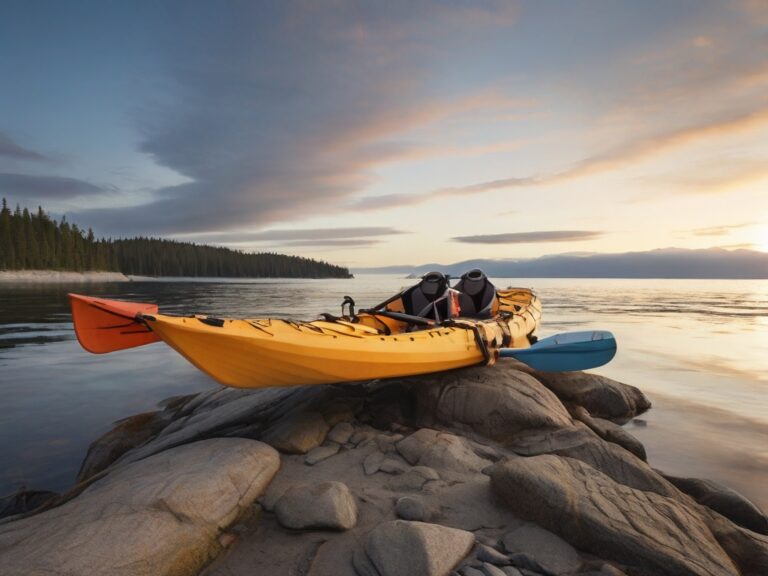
(567,352)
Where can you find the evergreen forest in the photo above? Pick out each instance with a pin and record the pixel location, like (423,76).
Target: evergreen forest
(35,241)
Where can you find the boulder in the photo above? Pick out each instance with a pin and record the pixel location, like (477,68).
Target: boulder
(159,516)
(297,433)
(550,551)
(327,505)
(601,396)
(495,403)
(726,501)
(589,510)
(402,548)
(440,450)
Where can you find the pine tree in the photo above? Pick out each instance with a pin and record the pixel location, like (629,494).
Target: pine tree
(7,252)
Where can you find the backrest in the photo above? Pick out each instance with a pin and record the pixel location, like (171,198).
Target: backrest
(418,299)
(477,294)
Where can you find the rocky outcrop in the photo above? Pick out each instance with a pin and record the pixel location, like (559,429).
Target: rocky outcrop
(488,470)
(639,529)
(160,516)
(496,403)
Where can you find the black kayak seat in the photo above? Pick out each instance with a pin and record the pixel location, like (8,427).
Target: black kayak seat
(476,294)
(420,300)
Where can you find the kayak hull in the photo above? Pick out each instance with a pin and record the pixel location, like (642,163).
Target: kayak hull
(271,352)
(281,354)
(255,353)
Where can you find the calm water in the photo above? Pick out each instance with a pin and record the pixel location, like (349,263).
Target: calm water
(698,349)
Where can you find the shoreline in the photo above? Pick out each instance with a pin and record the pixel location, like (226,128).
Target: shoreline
(59,277)
(68,276)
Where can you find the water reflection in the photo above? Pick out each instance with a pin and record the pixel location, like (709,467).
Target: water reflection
(683,342)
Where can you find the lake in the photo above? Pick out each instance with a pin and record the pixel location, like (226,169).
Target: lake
(697,348)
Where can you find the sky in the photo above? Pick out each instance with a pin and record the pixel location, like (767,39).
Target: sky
(389,133)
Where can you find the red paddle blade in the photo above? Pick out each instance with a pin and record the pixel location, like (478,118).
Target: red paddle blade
(107,325)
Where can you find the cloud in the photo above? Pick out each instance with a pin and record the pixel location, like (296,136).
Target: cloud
(621,155)
(343,243)
(11,149)
(530,237)
(284,112)
(398,200)
(46,187)
(756,10)
(725,124)
(310,235)
(720,230)
(711,176)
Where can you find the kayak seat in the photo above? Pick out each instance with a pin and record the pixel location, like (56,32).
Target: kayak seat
(427,296)
(476,295)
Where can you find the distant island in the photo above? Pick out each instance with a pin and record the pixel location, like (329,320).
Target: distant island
(713,263)
(34,241)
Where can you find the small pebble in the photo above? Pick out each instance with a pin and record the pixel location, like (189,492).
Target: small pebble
(320,453)
(372,462)
(491,570)
(341,433)
(390,466)
(412,508)
(488,554)
(226,539)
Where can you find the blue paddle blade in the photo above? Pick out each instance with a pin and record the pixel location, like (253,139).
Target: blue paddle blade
(567,352)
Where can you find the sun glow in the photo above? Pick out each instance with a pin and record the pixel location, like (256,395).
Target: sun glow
(761,241)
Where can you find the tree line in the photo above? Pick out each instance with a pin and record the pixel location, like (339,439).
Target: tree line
(35,241)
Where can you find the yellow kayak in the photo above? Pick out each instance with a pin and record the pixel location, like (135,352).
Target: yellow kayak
(427,328)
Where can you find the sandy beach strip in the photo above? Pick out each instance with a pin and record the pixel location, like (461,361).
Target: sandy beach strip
(58,277)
